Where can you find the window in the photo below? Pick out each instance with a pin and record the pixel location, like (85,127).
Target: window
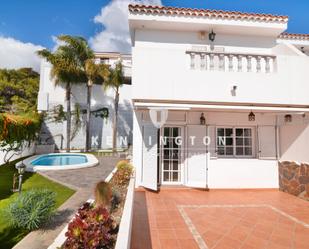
(235,142)
(225,141)
(104,61)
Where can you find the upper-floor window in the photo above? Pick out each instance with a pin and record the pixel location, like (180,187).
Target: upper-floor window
(234,142)
(104,60)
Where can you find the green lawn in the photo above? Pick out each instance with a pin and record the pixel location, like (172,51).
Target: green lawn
(10,236)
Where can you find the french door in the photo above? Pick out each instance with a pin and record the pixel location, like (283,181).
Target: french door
(171,141)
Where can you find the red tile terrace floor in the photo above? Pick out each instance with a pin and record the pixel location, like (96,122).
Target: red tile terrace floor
(220,219)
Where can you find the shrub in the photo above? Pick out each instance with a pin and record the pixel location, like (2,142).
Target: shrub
(102,193)
(31,209)
(91,228)
(123,173)
(116,199)
(123,164)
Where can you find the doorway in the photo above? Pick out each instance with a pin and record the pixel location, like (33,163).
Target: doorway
(171,156)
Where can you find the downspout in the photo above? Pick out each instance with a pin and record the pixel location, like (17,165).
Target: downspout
(207,156)
(277,139)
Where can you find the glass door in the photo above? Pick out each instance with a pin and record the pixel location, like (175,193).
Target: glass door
(171,155)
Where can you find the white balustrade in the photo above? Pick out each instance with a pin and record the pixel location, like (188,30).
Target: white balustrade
(232,62)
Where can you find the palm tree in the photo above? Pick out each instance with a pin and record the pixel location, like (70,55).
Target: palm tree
(80,65)
(96,73)
(67,70)
(115,81)
(93,73)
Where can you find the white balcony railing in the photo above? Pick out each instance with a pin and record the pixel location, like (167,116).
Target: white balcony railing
(232,62)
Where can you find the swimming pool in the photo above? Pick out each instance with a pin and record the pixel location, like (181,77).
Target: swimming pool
(60,161)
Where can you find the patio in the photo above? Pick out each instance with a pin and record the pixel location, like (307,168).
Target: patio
(227,219)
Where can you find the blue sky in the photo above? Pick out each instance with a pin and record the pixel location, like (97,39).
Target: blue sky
(29,25)
(36,21)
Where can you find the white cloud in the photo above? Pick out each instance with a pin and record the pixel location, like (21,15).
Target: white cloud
(57,43)
(114,19)
(17,54)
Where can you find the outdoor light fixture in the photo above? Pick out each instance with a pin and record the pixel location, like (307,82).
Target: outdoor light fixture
(212,36)
(21,170)
(251,116)
(202,119)
(288,118)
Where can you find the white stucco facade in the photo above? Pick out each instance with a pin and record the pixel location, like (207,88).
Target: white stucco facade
(247,68)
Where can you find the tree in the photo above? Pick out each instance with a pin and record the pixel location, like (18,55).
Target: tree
(88,71)
(67,70)
(96,73)
(115,81)
(17,132)
(19,120)
(18,90)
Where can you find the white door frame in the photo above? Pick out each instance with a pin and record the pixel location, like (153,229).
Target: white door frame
(182,148)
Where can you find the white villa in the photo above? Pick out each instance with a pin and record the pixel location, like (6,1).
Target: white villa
(240,72)
(217,98)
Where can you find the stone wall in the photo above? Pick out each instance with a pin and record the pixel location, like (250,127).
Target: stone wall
(294,178)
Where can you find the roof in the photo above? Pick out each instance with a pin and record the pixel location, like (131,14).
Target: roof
(232,15)
(291,36)
(112,54)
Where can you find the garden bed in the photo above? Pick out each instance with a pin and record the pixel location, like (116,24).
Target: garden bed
(104,222)
(125,226)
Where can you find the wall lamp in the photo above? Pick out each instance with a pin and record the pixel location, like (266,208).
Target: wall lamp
(202,119)
(251,116)
(288,118)
(212,36)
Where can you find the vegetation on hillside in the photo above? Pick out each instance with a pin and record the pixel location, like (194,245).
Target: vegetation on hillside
(19,121)
(18,90)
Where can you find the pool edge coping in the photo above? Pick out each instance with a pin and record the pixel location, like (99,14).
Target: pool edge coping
(92,161)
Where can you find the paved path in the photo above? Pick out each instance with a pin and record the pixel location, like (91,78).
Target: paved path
(84,179)
(81,180)
(219,219)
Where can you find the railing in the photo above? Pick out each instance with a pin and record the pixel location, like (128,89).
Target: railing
(232,62)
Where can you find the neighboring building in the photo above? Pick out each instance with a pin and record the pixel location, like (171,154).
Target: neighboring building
(51,96)
(241,72)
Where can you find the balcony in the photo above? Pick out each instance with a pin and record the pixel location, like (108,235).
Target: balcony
(231,62)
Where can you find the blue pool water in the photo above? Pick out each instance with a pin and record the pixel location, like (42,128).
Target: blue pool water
(52,160)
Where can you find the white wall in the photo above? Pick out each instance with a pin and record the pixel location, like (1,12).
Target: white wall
(161,71)
(294,142)
(26,152)
(243,173)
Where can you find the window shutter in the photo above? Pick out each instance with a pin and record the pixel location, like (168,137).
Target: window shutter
(196,157)
(212,147)
(149,168)
(267,142)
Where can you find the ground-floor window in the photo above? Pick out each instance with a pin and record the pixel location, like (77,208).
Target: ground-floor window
(234,142)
